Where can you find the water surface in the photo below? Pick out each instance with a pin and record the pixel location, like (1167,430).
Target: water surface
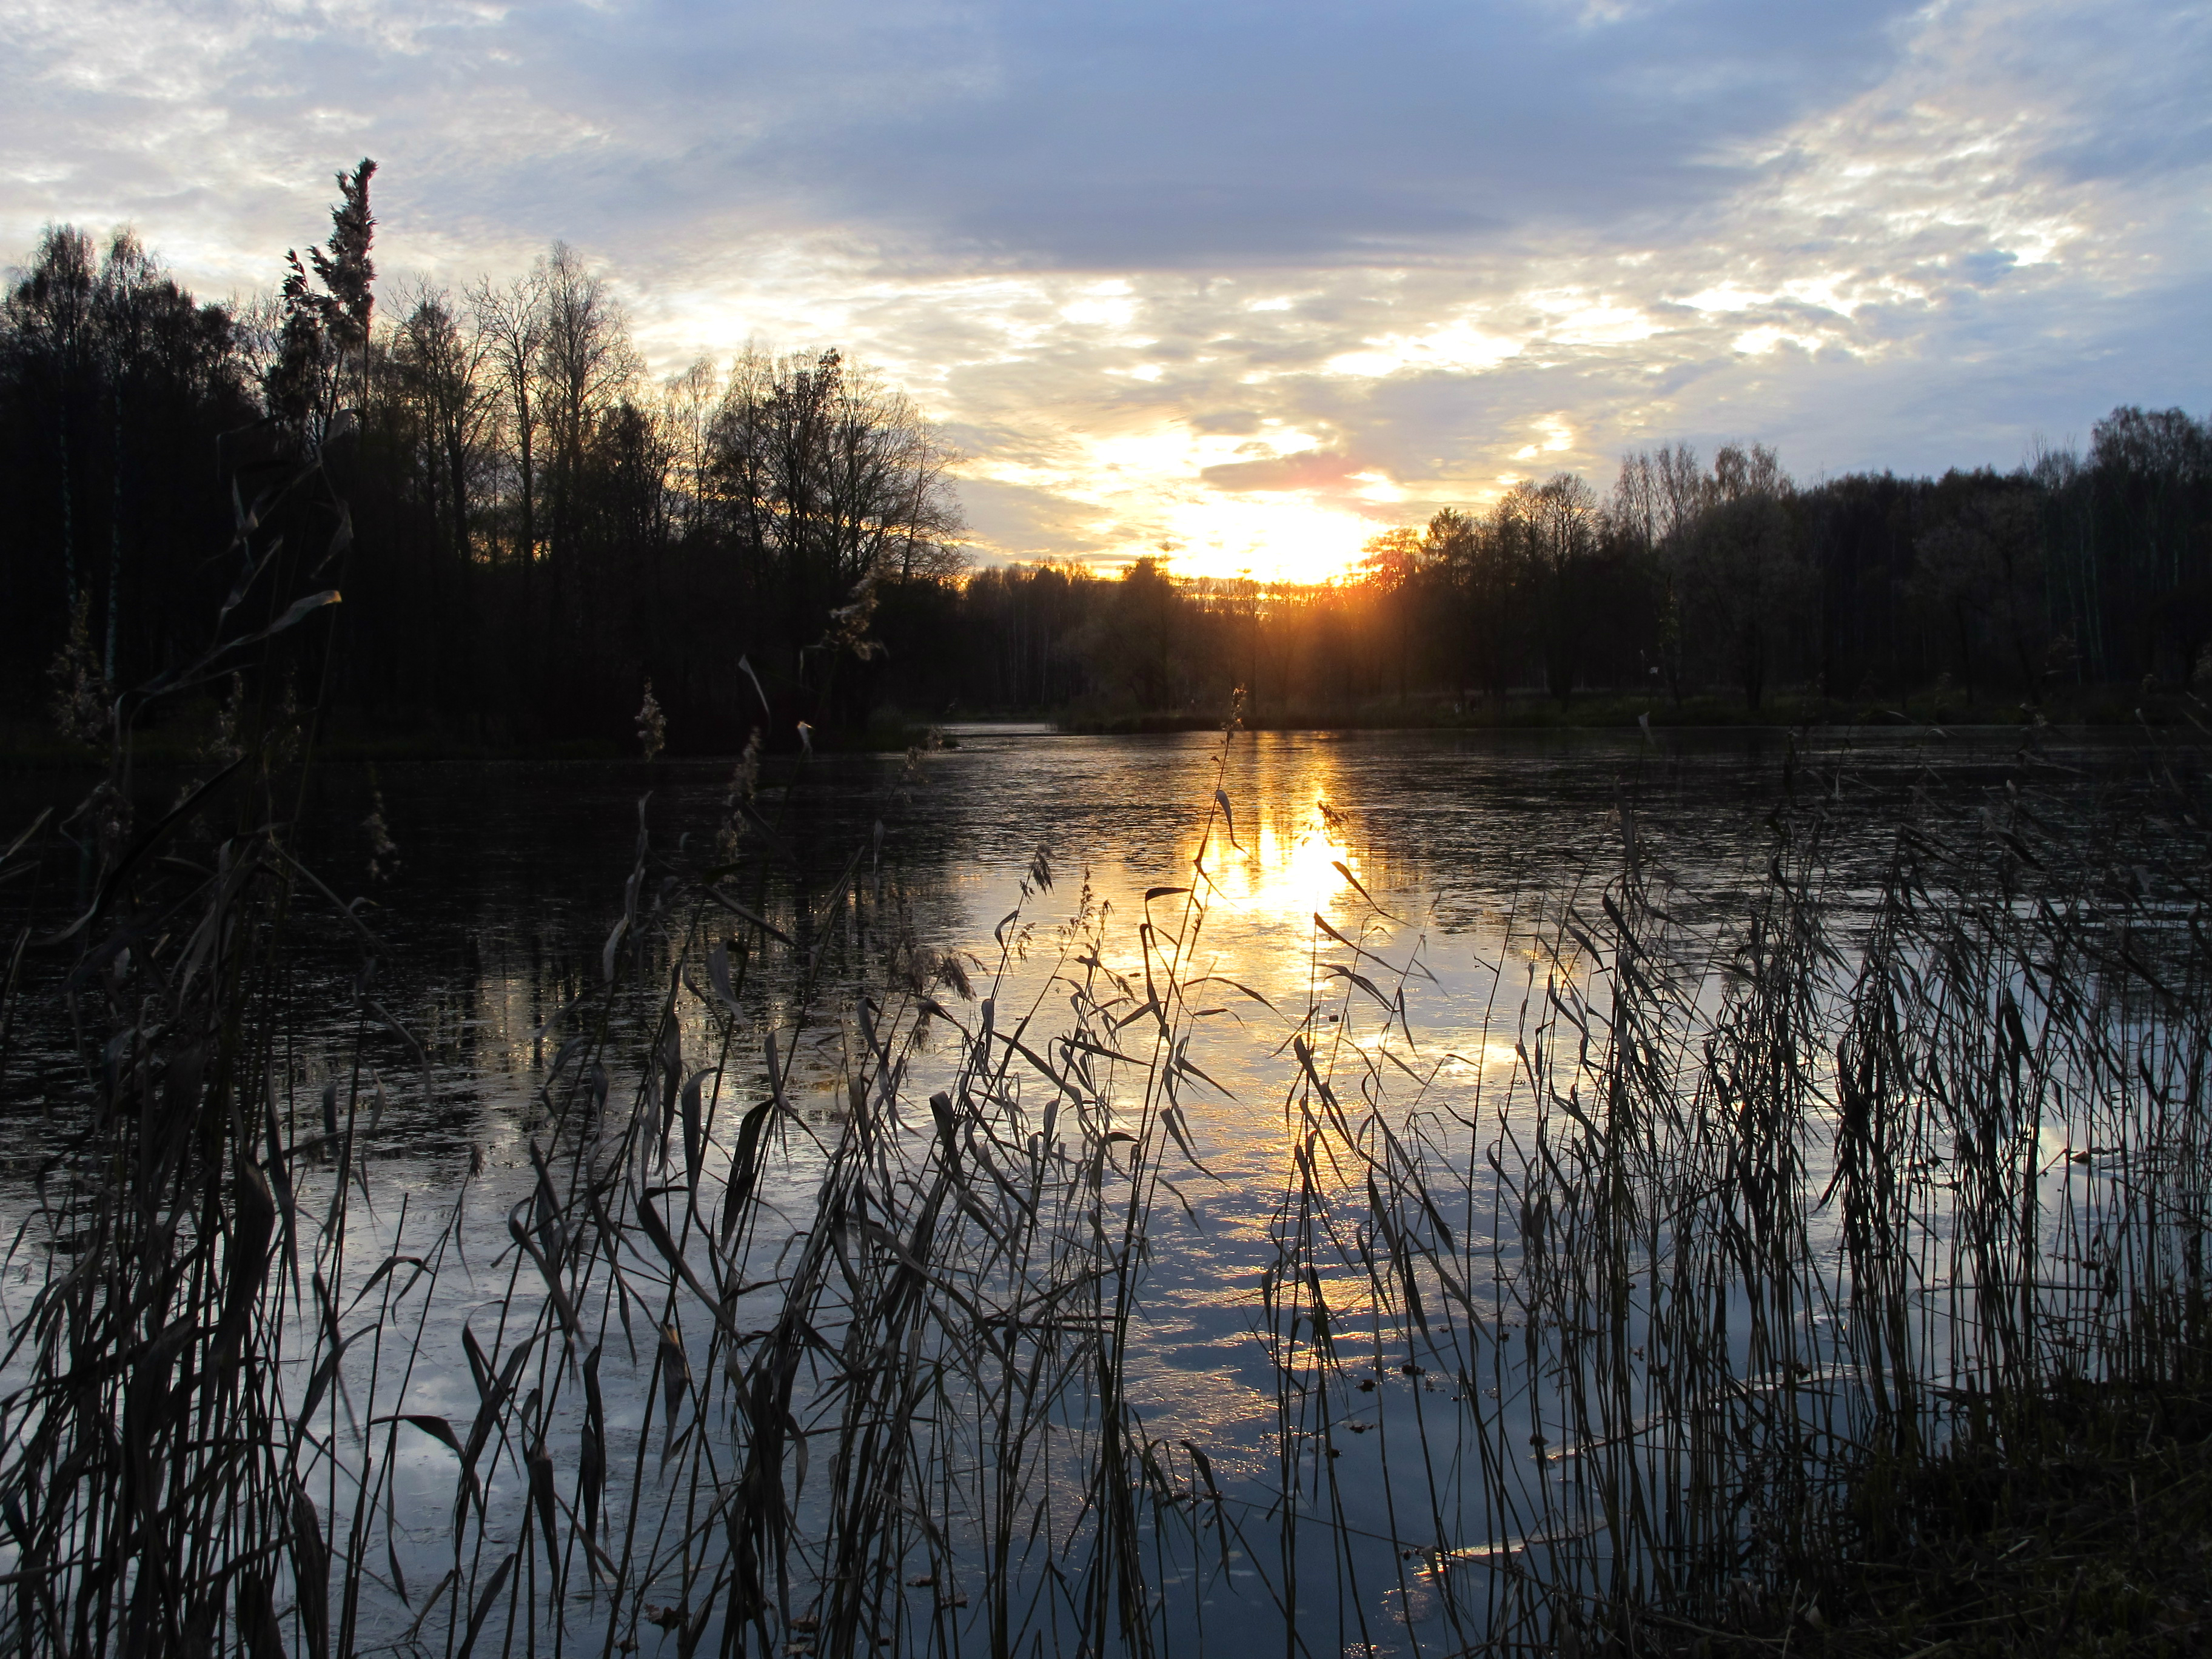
(1395,888)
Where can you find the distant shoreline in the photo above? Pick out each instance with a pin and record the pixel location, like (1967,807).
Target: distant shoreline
(1605,712)
(25,748)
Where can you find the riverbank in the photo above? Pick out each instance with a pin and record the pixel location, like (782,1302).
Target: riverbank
(2083,1528)
(29,741)
(29,745)
(2111,706)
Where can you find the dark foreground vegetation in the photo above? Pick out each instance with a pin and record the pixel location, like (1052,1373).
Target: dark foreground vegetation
(1814,1230)
(2082,1526)
(544,530)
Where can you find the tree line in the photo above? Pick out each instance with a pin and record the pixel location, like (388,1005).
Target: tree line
(1686,582)
(538,528)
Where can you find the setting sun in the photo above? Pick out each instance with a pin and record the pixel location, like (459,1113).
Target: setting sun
(1279,539)
(1274,501)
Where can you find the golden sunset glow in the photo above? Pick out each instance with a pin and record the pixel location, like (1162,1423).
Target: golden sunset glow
(1275,539)
(1284,870)
(1277,502)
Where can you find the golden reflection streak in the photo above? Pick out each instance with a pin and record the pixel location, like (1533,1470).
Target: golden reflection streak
(1286,868)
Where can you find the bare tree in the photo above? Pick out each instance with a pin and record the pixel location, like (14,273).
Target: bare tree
(1658,495)
(585,365)
(833,481)
(52,311)
(1562,517)
(131,287)
(511,322)
(687,402)
(440,364)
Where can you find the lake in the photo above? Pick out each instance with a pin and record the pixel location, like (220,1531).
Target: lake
(1403,911)
(506,876)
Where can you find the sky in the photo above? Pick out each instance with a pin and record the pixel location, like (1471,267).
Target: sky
(1243,283)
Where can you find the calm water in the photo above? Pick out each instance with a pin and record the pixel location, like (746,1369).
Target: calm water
(509,876)
(1430,851)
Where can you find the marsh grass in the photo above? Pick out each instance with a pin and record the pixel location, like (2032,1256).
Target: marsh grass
(1781,1209)
(1781,1216)
(2083,1532)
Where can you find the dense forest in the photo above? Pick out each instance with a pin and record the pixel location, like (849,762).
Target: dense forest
(528,529)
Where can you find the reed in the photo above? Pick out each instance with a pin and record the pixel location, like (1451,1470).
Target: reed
(1781,1202)
(1773,1216)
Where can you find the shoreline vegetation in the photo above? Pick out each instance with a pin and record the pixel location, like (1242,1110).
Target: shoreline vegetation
(2081,1529)
(33,744)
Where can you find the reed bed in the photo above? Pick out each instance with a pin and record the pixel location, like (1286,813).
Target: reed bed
(1776,1204)
(1769,1219)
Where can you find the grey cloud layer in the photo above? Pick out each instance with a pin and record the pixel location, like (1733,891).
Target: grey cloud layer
(1091,135)
(1150,134)
(1143,256)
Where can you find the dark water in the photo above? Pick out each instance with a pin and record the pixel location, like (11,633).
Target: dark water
(507,876)
(1434,852)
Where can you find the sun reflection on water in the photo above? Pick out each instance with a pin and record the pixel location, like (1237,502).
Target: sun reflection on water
(1285,867)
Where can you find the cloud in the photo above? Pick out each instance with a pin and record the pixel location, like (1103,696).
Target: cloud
(1165,270)
(1171,135)
(1313,470)
(1018,516)
(1141,134)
